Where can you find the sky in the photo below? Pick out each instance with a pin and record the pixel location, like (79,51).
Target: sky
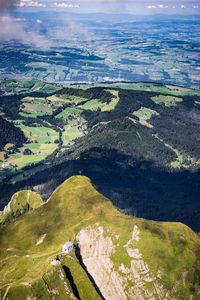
(111,6)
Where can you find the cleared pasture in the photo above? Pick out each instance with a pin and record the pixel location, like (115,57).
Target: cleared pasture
(70,134)
(69,111)
(41,143)
(167,100)
(144,114)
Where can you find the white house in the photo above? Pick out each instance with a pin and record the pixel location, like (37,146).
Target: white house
(68,247)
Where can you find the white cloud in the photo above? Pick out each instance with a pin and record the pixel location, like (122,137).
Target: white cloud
(162,6)
(31,3)
(65,5)
(152,6)
(14,29)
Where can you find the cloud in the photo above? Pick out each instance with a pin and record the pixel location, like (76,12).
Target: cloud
(29,3)
(28,31)
(152,6)
(70,30)
(65,5)
(20,30)
(162,6)
(15,29)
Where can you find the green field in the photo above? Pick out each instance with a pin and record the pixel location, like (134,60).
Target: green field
(40,134)
(70,134)
(144,114)
(63,115)
(93,104)
(14,86)
(41,143)
(96,104)
(69,111)
(167,100)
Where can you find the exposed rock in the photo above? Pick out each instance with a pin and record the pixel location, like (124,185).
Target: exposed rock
(41,239)
(96,251)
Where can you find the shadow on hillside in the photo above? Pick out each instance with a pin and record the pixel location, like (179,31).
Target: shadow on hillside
(70,278)
(138,188)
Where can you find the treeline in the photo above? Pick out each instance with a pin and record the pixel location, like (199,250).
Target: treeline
(126,137)
(179,127)
(89,94)
(10,134)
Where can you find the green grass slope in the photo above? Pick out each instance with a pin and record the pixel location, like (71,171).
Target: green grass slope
(30,244)
(20,203)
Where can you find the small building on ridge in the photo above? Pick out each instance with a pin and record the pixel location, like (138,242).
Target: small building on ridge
(68,247)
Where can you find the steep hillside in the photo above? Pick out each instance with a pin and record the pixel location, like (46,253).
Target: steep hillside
(114,256)
(146,133)
(20,203)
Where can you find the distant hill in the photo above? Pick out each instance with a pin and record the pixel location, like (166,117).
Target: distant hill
(114,256)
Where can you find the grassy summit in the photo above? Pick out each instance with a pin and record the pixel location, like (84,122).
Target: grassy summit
(144,257)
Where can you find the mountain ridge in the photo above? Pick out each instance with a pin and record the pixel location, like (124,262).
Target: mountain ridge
(143,256)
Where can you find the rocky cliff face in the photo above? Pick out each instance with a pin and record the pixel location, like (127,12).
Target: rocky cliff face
(97,250)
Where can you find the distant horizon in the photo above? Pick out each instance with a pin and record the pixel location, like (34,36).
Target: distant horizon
(60,11)
(143,7)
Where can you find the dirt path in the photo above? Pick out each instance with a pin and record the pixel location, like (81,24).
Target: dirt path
(6,292)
